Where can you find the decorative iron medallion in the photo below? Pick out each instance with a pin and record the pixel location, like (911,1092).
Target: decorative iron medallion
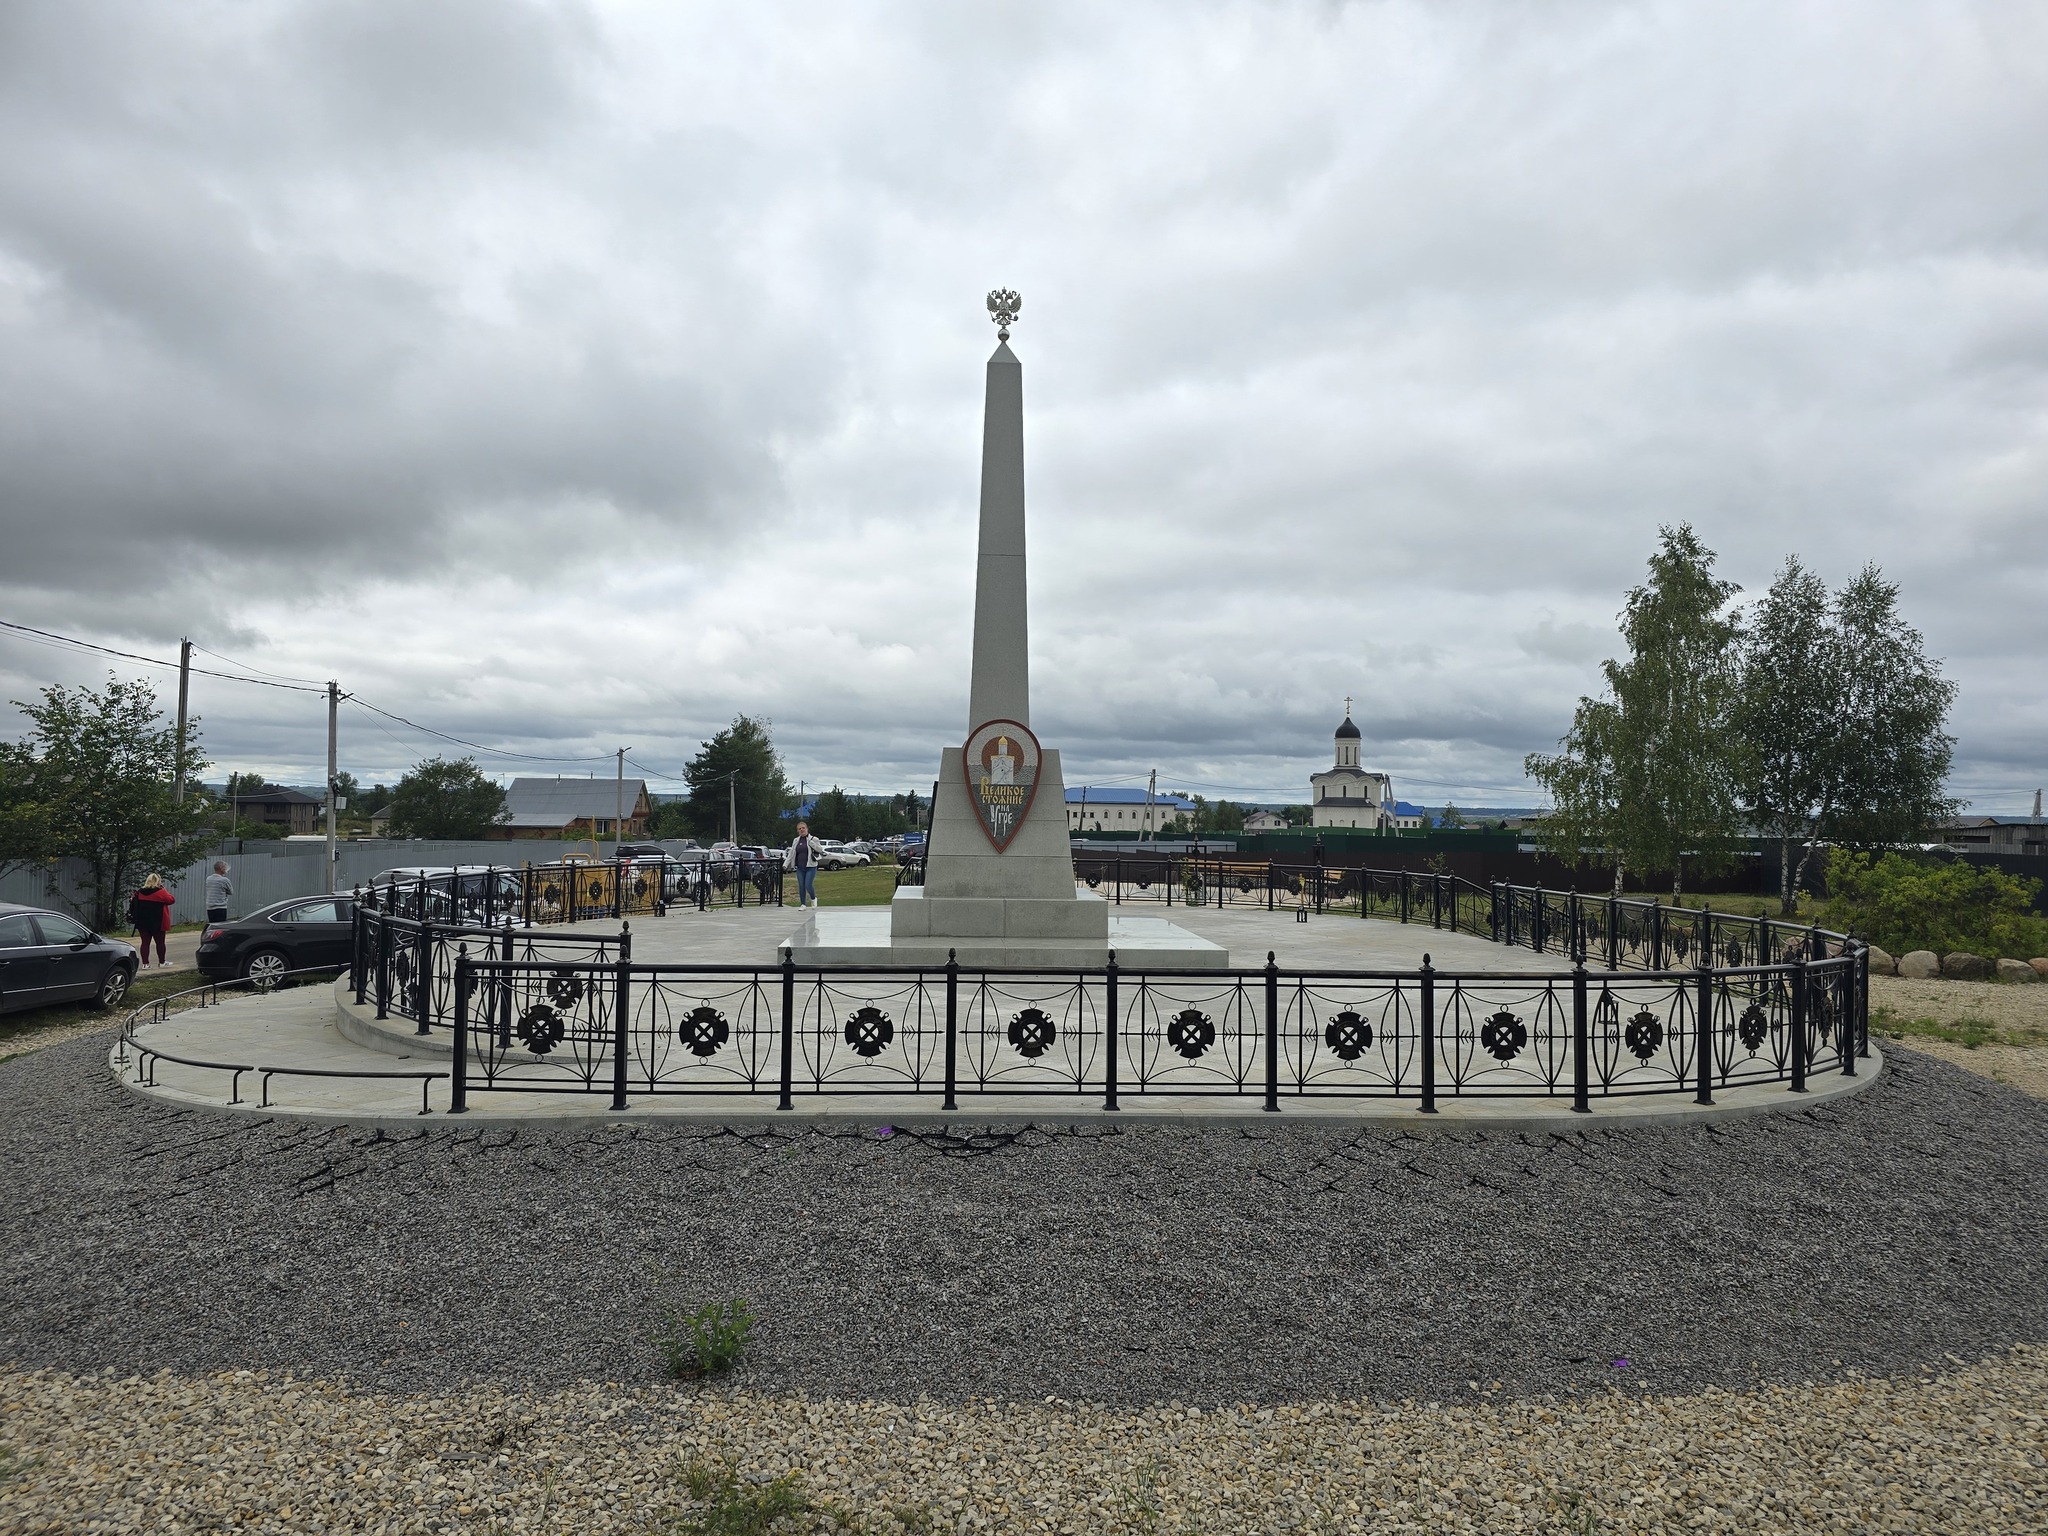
(1031,1032)
(1755,1025)
(704,1030)
(869,1031)
(540,1029)
(565,988)
(1191,1033)
(1504,1036)
(1644,1034)
(1349,1035)
(1000,762)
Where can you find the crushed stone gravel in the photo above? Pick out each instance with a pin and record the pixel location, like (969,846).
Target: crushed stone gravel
(2024,1067)
(1881,1233)
(1957,1453)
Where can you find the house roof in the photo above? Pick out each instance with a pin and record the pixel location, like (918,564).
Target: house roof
(275,794)
(1127,797)
(1403,808)
(557,802)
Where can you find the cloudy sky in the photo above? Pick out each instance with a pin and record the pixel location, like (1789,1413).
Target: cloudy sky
(572,376)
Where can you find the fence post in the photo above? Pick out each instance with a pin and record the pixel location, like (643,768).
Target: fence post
(1428,1037)
(1577,920)
(505,994)
(1404,892)
(952,1027)
(1863,1002)
(1109,1036)
(358,943)
(1436,899)
(1272,1034)
(1581,1078)
(422,978)
(1493,909)
(526,895)
(622,1014)
(458,1079)
(1845,1029)
(1704,1073)
(1656,935)
(788,1028)
(383,966)
(1799,1026)
(1613,931)
(1539,930)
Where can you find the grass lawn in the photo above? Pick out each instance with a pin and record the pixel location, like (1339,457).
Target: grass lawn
(873,885)
(45,1026)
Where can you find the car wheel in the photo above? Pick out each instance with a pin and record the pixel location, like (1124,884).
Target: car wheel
(113,987)
(266,968)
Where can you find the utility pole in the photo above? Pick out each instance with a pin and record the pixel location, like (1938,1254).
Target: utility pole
(184,692)
(1151,789)
(619,825)
(333,768)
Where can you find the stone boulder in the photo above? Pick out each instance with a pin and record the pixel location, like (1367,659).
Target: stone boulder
(1920,964)
(2040,964)
(2017,970)
(1964,966)
(1882,964)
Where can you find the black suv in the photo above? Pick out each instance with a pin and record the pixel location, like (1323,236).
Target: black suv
(46,957)
(296,935)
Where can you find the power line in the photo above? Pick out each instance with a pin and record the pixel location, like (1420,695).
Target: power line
(474,746)
(246,667)
(156,661)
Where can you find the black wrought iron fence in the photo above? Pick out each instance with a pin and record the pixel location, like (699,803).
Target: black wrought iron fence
(1685,1001)
(540,1026)
(541,895)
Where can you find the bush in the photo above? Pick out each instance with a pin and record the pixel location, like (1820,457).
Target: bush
(1944,905)
(706,1341)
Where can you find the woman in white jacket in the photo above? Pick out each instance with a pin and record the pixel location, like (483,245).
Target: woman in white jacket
(803,857)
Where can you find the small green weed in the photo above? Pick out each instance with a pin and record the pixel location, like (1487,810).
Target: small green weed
(1968,1032)
(706,1341)
(731,1506)
(1580,1517)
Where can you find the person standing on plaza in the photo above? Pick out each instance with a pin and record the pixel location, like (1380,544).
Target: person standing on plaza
(219,891)
(149,909)
(803,858)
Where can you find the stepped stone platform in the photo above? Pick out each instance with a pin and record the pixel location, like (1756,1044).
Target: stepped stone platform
(380,1067)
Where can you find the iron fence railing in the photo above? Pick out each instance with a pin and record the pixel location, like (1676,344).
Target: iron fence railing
(1682,1002)
(540,895)
(536,1026)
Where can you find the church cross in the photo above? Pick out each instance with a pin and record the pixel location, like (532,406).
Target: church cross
(1347,706)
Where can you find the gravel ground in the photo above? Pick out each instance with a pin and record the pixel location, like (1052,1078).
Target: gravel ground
(2025,1067)
(1882,1233)
(1955,1454)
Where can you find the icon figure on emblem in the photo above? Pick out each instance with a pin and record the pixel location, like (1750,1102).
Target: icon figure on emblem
(1000,762)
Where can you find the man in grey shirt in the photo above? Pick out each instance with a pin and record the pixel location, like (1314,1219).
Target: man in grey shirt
(218,890)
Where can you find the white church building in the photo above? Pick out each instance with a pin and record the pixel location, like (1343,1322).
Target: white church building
(1347,795)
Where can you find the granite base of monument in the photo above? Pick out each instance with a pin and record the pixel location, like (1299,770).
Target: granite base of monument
(842,936)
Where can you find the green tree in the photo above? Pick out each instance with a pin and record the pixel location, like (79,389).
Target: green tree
(1841,718)
(1650,775)
(1451,817)
(670,819)
(92,781)
(835,814)
(446,798)
(739,766)
(1902,903)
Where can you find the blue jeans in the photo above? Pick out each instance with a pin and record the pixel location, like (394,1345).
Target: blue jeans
(807,883)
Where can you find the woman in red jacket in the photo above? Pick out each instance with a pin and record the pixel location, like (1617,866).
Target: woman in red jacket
(149,909)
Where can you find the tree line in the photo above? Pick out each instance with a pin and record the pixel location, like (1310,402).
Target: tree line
(1814,717)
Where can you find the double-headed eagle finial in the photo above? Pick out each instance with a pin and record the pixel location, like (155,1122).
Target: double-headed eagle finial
(1003,304)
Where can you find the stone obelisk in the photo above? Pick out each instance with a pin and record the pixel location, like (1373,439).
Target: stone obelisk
(999,885)
(999,878)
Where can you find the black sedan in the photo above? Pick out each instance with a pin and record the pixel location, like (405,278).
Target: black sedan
(46,957)
(297,935)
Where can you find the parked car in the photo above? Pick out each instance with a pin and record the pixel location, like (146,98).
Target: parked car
(297,935)
(845,856)
(461,893)
(46,957)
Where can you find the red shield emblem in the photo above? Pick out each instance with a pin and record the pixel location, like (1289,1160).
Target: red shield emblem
(1000,762)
